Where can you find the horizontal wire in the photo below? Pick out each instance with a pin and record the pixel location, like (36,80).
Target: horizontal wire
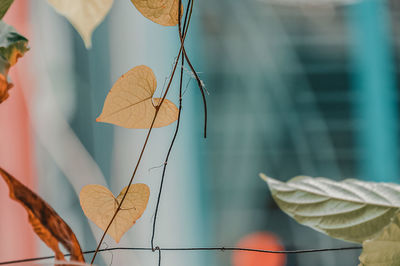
(194,249)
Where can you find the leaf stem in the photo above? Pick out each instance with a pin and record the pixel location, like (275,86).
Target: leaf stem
(179,117)
(144,145)
(199,83)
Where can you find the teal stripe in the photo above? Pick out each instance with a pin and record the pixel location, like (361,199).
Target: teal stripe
(375,91)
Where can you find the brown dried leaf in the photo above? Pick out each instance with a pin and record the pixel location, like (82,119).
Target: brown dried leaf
(4,88)
(99,205)
(163,12)
(46,223)
(130,102)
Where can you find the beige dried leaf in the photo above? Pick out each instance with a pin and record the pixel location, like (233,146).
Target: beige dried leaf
(84,15)
(99,205)
(130,102)
(163,12)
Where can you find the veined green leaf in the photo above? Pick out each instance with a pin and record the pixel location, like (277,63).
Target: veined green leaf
(350,210)
(4,6)
(384,250)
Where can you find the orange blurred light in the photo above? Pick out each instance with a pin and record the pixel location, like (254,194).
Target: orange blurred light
(259,240)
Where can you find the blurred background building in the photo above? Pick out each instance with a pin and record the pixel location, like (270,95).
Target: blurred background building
(294,88)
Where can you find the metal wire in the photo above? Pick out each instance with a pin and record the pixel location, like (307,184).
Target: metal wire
(186,249)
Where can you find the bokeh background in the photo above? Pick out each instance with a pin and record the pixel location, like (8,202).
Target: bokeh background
(295,87)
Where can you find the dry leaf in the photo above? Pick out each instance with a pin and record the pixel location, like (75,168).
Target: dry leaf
(130,102)
(99,205)
(4,88)
(163,12)
(46,223)
(84,15)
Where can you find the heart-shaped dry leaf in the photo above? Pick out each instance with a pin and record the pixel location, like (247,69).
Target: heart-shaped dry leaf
(163,12)
(130,102)
(99,205)
(84,15)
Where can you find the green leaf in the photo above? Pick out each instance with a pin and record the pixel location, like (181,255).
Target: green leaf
(12,46)
(350,210)
(384,250)
(4,6)
(84,15)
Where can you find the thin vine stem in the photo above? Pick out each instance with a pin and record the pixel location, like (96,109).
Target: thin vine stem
(145,142)
(186,249)
(159,256)
(185,26)
(199,82)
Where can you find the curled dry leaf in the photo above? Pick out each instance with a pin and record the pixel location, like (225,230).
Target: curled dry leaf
(46,223)
(84,15)
(99,205)
(130,102)
(163,12)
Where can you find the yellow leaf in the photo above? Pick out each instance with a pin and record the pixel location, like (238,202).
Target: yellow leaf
(130,102)
(383,250)
(99,205)
(163,12)
(84,15)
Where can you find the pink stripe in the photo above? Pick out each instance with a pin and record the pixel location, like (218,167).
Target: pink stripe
(16,152)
